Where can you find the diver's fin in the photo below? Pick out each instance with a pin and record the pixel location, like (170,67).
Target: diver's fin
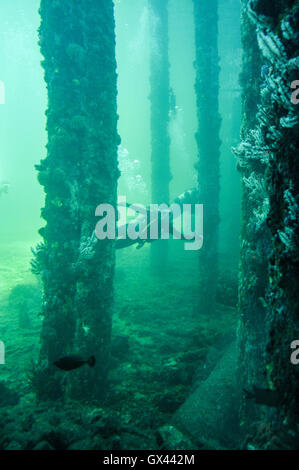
(140,245)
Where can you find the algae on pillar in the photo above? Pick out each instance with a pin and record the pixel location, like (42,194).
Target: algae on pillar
(160,106)
(255,238)
(278,38)
(268,158)
(80,172)
(208,142)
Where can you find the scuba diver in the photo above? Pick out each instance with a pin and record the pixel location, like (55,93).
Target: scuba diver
(144,220)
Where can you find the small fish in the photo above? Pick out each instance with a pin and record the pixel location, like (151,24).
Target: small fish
(264,396)
(74,362)
(86,329)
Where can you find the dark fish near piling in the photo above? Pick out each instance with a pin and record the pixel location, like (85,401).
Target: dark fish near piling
(74,362)
(264,396)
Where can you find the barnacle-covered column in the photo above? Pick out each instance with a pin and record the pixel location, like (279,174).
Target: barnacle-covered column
(278,37)
(255,238)
(99,185)
(208,141)
(80,172)
(271,149)
(159,100)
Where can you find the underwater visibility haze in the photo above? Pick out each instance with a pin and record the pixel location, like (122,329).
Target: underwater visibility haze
(149,224)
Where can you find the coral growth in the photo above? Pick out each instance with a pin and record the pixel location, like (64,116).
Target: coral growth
(268,158)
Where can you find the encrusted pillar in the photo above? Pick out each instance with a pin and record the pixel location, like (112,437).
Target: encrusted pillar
(268,159)
(208,141)
(160,107)
(255,238)
(80,172)
(277,32)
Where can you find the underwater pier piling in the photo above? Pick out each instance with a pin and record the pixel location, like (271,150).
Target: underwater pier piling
(255,235)
(208,143)
(77,40)
(279,126)
(160,107)
(268,159)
